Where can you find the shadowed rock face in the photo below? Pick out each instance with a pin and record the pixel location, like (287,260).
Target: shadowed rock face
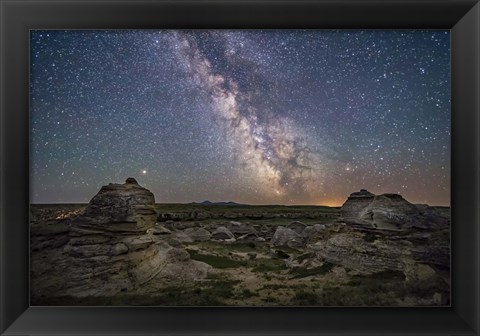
(391,211)
(355,203)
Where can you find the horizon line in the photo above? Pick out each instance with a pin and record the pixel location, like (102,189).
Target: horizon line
(236,204)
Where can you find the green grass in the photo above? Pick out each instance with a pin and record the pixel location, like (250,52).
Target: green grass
(388,275)
(275,286)
(215,261)
(305,298)
(207,294)
(287,250)
(299,273)
(281,254)
(243,247)
(244,294)
(268,265)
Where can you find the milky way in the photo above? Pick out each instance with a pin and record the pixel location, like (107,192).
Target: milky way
(261,117)
(275,156)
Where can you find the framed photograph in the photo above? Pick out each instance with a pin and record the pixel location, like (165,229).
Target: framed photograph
(234,167)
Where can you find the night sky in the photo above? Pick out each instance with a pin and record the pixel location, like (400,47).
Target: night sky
(259,117)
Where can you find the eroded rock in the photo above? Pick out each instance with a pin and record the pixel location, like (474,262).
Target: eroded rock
(287,237)
(112,248)
(222,233)
(197,234)
(388,212)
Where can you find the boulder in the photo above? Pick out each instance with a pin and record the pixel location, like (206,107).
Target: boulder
(197,234)
(298,227)
(222,233)
(319,227)
(353,252)
(240,229)
(287,237)
(159,230)
(247,238)
(182,237)
(306,260)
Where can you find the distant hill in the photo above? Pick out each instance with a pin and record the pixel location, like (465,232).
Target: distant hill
(217,203)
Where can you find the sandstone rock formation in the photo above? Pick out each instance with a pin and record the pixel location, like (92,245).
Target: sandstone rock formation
(355,203)
(388,212)
(159,230)
(287,237)
(114,246)
(118,247)
(298,227)
(222,233)
(355,253)
(197,234)
(117,209)
(240,229)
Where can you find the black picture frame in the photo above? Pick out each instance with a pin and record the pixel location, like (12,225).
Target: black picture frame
(17,17)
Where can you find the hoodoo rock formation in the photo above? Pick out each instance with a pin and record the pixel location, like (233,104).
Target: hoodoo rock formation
(388,212)
(355,203)
(112,247)
(123,209)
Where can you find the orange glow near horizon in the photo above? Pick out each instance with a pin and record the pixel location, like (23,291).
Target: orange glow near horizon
(332,203)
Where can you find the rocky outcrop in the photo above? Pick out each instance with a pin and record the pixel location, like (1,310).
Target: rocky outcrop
(313,230)
(197,234)
(355,253)
(251,214)
(247,238)
(115,246)
(287,237)
(222,233)
(159,230)
(298,227)
(117,209)
(355,203)
(388,212)
(240,229)
(48,236)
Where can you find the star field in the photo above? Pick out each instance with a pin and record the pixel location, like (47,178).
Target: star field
(259,117)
